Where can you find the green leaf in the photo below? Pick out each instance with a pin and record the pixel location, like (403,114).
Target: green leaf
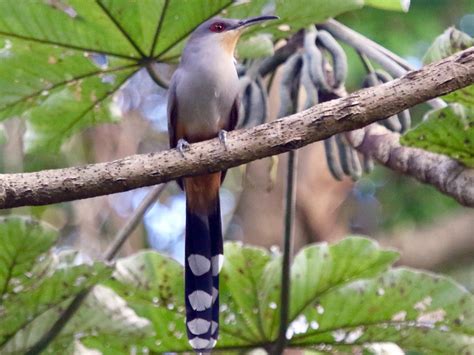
(396,5)
(294,16)
(77,24)
(448,131)
(66,110)
(319,268)
(450,42)
(22,242)
(153,286)
(416,310)
(342,298)
(67,58)
(241,295)
(102,312)
(19,309)
(61,89)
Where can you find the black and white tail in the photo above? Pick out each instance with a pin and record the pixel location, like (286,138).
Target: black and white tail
(203,261)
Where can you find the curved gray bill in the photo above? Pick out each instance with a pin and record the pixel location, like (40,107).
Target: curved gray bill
(255,20)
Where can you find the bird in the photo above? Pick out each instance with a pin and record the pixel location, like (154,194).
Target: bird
(203,103)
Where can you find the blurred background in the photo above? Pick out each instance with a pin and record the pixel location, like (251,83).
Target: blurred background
(431,230)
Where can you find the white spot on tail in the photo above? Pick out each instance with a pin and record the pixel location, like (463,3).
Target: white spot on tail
(199,343)
(215,293)
(200,300)
(214,327)
(199,326)
(199,264)
(217,262)
(212,343)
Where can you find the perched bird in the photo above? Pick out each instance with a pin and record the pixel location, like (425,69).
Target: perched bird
(203,104)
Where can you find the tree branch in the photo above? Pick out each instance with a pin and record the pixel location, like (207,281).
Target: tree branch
(319,122)
(446,174)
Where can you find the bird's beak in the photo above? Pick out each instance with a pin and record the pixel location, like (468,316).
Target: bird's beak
(253,21)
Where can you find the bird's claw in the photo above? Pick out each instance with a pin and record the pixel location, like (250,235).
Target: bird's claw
(182,146)
(223,138)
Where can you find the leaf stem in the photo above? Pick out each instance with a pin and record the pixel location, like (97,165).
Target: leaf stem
(121,29)
(155,76)
(285,291)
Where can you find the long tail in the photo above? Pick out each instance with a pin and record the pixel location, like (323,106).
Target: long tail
(204,258)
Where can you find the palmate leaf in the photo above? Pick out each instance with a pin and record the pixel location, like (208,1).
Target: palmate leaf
(416,310)
(448,131)
(22,242)
(153,286)
(342,298)
(448,43)
(35,281)
(47,51)
(103,311)
(61,61)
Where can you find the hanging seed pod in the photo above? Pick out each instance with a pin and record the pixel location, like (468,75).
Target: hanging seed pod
(316,62)
(368,164)
(260,87)
(332,160)
(344,152)
(307,83)
(339,58)
(289,85)
(391,123)
(355,167)
(245,93)
(403,120)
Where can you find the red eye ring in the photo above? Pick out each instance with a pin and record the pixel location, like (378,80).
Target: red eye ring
(217,27)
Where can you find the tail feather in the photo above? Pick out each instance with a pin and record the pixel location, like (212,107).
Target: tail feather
(217,259)
(204,257)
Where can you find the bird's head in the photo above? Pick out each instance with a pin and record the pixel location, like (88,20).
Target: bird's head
(225,32)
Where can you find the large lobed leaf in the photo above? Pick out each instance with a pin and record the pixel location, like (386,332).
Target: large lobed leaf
(22,242)
(342,298)
(61,61)
(35,281)
(448,131)
(448,43)
(37,284)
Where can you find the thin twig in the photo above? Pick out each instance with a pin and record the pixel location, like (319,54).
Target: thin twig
(109,255)
(133,221)
(161,82)
(285,291)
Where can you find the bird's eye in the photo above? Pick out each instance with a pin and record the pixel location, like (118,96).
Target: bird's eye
(217,27)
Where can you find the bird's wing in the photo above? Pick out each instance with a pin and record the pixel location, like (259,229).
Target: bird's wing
(232,123)
(172,114)
(233,115)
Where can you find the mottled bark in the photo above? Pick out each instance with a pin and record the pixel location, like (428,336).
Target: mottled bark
(321,121)
(444,173)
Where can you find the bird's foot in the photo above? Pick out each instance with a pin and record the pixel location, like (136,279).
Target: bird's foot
(223,138)
(182,146)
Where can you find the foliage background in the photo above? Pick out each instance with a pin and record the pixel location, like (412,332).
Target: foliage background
(383,204)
